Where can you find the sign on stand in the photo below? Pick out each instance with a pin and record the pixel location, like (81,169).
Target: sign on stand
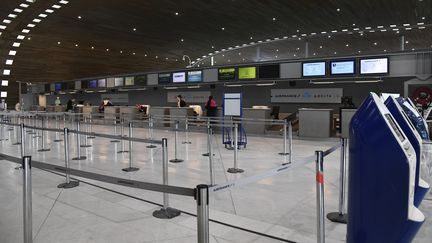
(307,95)
(232,104)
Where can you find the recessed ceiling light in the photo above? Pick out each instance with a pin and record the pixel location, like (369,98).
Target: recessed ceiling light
(335,52)
(375,43)
(321,47)
(121,51)
(9,62)
(338,9)
(58,42)
(56,6)
(76,45)
(42,15)
(134,53)
(385,50)
(181,40)
(79,17)
(347,45)
(18,10)
(20,37)
(145,55)
(176,13)
(6,72)
(2,27)
(31,25)
(92,47)
(107,49)
(406,42)
(49,11)
(64,2)
(274,19)
(25,31)
(28,38)
(7,21)
(16,44)
(12,16)
(37,20)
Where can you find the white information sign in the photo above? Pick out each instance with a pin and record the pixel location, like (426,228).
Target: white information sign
(374,66)
(232,104)
(307,95)
(191,97)
(116,99)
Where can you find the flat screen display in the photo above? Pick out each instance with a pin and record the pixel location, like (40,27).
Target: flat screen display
(141,80)
(164,77)
(110,82)
(85,84)
(226,73)
(194,76)
(247,73)
(129,81)
(179,77)
(118,82)
(342,67)
(47,88)
(70,85)
(102,83)
(58,87)
(374,66)
(93,84)
(313,69)
(269,71)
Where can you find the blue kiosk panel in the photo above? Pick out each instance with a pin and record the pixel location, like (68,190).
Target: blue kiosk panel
(421,187)
(415,117)
(381,178)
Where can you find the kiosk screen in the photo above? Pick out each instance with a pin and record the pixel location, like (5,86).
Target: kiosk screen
(395,127)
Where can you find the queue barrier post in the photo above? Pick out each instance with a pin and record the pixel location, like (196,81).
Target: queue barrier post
(86,143)
(290,139)
(150,131)
(90,120)
(176,159)
(36,132)
(320,196)
(130,168)
(27,200)
(165,212)
(115,132)
(202,199)
(23,143)
(235,169)
(68,184)
(123,150)
(187,132)
(285,128)
(208,139)
(340,216)
(57,134)
(17,133)
(43,149)
(78,142)
(210,149)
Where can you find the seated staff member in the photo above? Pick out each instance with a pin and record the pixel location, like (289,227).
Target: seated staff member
(180,101)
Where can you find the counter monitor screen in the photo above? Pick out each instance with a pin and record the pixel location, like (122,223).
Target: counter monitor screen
(269,71)
(374,66)
(58,87)
(118,82)
(141,80)
(93,84)
(84,84)
(226,73)
(399,134)
(313,69)
(194,76)
(70,85)
(102,83)
(179,77)
(342,67)
(164,78)
(110,82)
(129,81)
(247,73)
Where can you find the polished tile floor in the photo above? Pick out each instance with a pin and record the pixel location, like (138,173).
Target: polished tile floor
(283,206)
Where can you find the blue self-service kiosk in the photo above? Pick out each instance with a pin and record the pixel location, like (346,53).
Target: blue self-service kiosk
(421,186)
(415,117)
(382,166)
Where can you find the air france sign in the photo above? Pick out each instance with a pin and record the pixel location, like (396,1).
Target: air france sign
(306,95)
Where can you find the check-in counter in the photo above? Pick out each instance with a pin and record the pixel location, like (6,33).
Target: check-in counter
(55,108)
(258,127)
(315,123)
(182,113)
(129,112)
(111,112)
(345,119)
(157,113)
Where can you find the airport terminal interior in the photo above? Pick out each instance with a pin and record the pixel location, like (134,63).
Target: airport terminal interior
(224,121)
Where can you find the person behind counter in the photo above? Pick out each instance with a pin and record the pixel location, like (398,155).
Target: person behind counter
(103,104)
(57,102)
(211,107)
(70,105)
(180,101)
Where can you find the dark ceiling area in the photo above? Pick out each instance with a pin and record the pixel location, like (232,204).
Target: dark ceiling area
(86,38)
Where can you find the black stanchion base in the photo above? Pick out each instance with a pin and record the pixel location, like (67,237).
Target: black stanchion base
(44,150)
(283,154)
(288,163)
(115,141)
(37,136)
(18,167)
(31,133)
(91,137)
(4,139)
(16,144)
(176,160)
(337,217)
(85,146)
(69,185)
(130,169)
(58,140)
(122,152)
(10,129)
(235,170)
(167,213)
(151,146)
(207,154)
(186,142)
(80,158)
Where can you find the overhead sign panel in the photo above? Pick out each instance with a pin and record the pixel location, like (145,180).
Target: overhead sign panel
(247,73)
(179,77)
(374,66)
(307,95)
(226,73)
(314,69)
(342,67)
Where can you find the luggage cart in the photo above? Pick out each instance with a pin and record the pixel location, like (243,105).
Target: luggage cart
(228,137)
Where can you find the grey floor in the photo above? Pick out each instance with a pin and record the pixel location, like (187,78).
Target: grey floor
(283,206)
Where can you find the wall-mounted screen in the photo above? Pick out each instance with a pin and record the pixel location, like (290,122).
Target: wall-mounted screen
(141,80)
(93,84)
(247,73)
(269,71)
(101,83)
(118,82)
(226,73)
(130,81)
(110,82)
(194,76)
(374,66)
(342,67)
(70,85)
(58,87)
(313,69)
(47,88)
(85,84)
(164,78)
(179,77)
